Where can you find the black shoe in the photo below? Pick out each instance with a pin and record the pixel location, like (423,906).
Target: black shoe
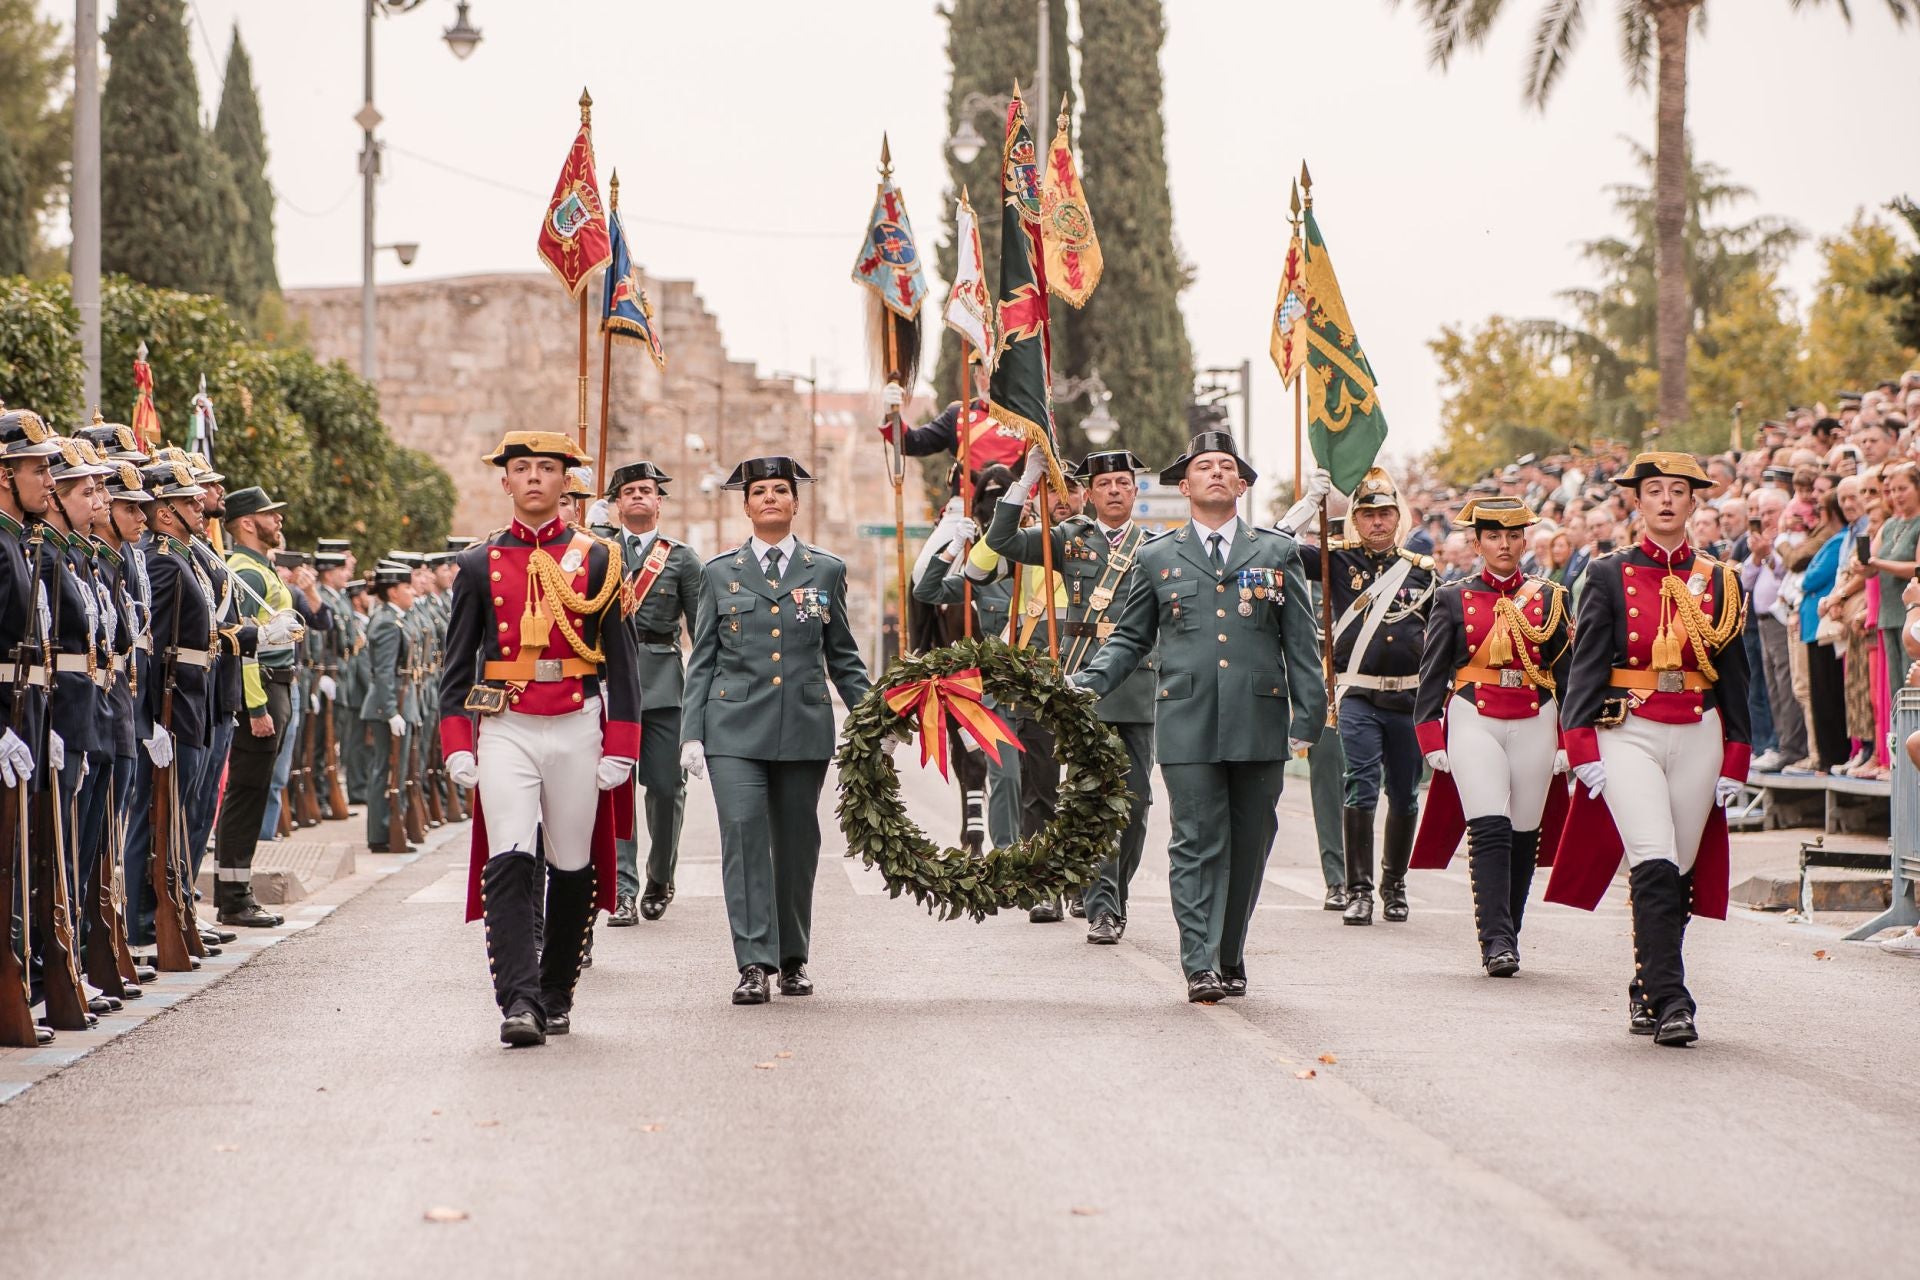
(130,990)
(251,915)
(1205,987)
(1359,909)
(143,973)
(624,916)
(653,902)
(1357,827)
(219,937)
(559,1024)
(1236,984)
(1396,853)
(522,1030)
(1677,1030)
(1640,1021)
(1106,930)
(1502,964)
(753,986)
(1336,898)
(1077,908)
(1045,912)
(43,1035)
(794,980)
(586,957)
(102,1004)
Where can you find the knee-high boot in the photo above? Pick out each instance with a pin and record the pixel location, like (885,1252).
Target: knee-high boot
(1526,853)
(506,899)
(1661,901)
(1359,841)
(1490,855)
(1395,854)
(569,930)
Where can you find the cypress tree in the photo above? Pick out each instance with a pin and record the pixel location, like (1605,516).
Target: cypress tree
(1131,330)
(238,135)
(160,217)
(16,217)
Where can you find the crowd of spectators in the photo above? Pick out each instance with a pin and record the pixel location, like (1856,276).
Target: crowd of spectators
(1821,514)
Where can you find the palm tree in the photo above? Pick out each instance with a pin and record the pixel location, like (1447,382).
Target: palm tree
(1653,37)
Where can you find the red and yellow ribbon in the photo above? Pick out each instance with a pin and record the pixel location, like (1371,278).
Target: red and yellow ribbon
(935,699)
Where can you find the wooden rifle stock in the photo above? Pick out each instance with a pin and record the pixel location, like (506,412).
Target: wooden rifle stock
(172,917)
(396,796)
(431,786)
(98,958)
(16,1014)
(60,976)
(308,811)
(336,793)
(416,812)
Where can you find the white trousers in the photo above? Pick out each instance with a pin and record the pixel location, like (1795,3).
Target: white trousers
(1660,783)
(541,771)
(1502,767)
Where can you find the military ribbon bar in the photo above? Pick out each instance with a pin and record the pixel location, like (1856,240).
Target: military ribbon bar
(933,700)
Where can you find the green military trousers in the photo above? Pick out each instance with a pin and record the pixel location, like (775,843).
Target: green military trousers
(664,803)
(1327,770)
(769,848)
(1224,820)
(1108,892)
(378,757)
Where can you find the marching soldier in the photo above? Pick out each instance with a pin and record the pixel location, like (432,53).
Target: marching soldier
(1096,556)
(1225,606)
(1655,722)
(384,705)
(771,633)
(536,653)
(664,578)
(1382,594)
(1497,652)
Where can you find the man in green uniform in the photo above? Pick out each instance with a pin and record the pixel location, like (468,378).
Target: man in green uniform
(1096,556)
(663,588)
(333,563)
(356,745)
(770,635)
(383,709)
(1238,691)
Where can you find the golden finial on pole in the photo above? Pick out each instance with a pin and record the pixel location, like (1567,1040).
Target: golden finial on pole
(886,157)
(1306,185)
(1060,121)
(586,106)
(613,191)
(1294,205)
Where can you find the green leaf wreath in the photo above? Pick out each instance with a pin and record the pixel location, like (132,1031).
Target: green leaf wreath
(1058,860)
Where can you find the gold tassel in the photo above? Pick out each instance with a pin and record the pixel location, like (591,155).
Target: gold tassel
(1666,649)
(536,627)
(1499,645)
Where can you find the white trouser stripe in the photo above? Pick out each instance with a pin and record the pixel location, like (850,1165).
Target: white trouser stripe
(1502,766)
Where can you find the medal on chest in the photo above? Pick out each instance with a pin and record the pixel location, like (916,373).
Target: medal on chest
(1356,581)
(809,605)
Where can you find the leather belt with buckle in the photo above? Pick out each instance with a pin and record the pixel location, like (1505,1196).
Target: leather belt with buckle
(546,670)
(1512,678)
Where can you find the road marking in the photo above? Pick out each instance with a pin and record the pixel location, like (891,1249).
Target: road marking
(1527,1212)
(866,881)
(450,887)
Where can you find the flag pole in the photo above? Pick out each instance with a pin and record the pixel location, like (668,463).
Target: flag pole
(897,449)
(966,492)
(1299,478)
(1046,564)
(586,122)
(1305,199)
(606,346)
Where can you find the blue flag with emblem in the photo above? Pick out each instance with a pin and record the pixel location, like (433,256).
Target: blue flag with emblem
(625,311)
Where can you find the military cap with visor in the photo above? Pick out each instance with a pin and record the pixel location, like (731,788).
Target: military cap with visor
(124,483)
(251,501)
(168,479)
(76,460)
(23,434)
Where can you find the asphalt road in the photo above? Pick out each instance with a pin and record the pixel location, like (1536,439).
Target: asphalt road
(1000,1099)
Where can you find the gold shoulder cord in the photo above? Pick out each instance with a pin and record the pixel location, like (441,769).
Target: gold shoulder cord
(1707,637)
(543,573)
(1505,610)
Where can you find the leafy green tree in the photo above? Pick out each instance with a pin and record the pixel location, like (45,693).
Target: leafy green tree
(1653,45)
(163,208)
(35,114)
(39,352)
(1900,283)
(238,136)
(1852,334)
(1131,330)
(1748,352)
(426,500)
(1504,393)
(16,214)
(355,492)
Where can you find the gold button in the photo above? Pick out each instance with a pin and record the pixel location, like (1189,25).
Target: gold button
(1223,638)
(498,600)
(1633,662)
(1223,662)
(1633,591)
(1219,613)
(1469,628)
(1633,635)
(493,555)
(723,693)
(1699,711)
(576,695)
(503,628)
(505,652)
(774,609)
(496,575)
(1479,702)
(1629,571)
(1163,693)
(775,633)
(513,697)
(1221,587)
(1470,611)
(1633,613)
(776,657)
(776,679)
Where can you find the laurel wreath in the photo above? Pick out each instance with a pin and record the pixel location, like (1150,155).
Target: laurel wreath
(1058,860)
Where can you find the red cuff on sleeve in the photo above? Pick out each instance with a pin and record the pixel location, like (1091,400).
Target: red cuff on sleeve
(1735,761)
(1432,735)
(1582,746)
(621,738)
(456,734)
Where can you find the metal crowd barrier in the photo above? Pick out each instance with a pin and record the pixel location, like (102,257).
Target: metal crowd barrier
(1904,911)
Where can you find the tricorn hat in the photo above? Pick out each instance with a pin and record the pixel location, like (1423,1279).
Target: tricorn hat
(1680,466)
(1495,513)
(628,473)
(391,575)
(322,546)
(1099,464)
(537,444)
(1208,442)
(775,468)
(251,501)
(24,435)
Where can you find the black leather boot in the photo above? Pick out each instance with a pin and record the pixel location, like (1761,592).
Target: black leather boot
(1489,864)
(1395,854)
(1661,901)
(506,902)
(1526,854)
(1359,842)
(569,937)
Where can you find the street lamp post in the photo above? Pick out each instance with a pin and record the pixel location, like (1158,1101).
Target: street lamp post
(462,37)
(812,378)
(1098,426)
(967,142)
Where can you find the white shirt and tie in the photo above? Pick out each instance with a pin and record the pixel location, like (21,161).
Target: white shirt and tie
(1216,543)
(775,557)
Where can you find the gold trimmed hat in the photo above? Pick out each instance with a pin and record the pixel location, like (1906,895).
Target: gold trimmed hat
(537,444)
(1679,466)
(1376,489)
(1495,513)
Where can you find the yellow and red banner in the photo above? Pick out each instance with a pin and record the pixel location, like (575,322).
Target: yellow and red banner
(575,240)
(936,699)
(1072,247)
(146,420)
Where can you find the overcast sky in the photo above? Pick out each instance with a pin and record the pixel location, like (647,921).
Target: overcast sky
(746,134)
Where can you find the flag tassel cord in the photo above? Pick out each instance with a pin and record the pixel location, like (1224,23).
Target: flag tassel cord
(966,496)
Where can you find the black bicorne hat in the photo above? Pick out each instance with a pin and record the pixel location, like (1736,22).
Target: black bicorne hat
(1099,464)
(626,474)
(775,468)
(1208,442)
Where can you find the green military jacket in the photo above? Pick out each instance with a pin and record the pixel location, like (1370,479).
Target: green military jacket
(943,583)
(1233,684)
(353,648)
(391,660)
(673,598)
(763,656)
(1081,556)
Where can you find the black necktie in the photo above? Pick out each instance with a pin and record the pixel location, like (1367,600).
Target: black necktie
(1213,553)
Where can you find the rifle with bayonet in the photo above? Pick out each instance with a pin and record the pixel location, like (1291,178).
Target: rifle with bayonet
(307,811)
(335,792)
(416,812)
(396,794)
(16,1011)
(174,929)
(59,974)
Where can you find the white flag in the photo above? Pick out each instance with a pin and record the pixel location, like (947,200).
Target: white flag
(969,307)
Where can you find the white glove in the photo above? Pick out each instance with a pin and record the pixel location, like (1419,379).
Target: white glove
(598,512)
(463,770)
(277,633)
(613,771)
(1299,746)
(1560,764)
(693,759)
(313,703)
(1304,512)
(327,687)
(397,725)
(1319,484)
(56,751)
(16,760)
(1437,761)
(893,395)
(1022,489)
(956,507)
(1592,776)
(1725,790)
(965,529)
(160,747)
